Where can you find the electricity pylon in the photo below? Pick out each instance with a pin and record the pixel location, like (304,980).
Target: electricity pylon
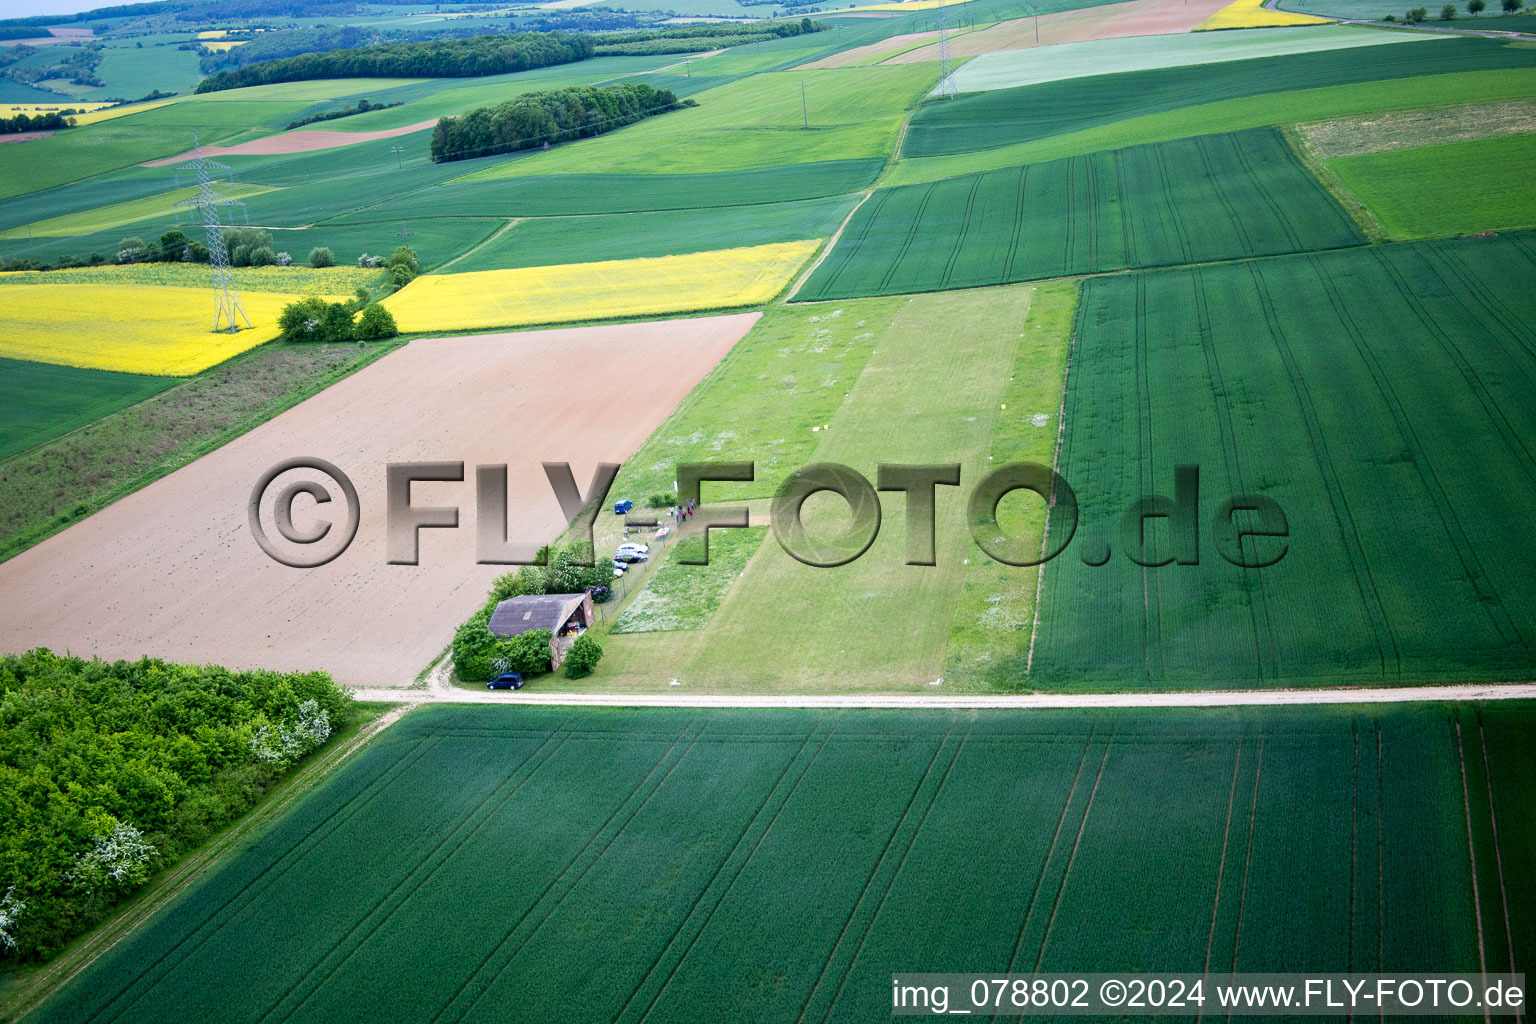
(946,69)
(205,208)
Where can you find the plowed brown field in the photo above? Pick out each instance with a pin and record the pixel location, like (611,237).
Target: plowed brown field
(173,571)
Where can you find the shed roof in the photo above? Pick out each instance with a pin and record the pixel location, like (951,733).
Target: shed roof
(518,615)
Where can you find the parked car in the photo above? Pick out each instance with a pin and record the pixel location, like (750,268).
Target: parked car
(632,553)
(622,507)
(644,549)
(506,681)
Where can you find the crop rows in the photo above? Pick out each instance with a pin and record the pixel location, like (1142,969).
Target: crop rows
(1193,200)
(1398,443)
(989,120)
(496,863)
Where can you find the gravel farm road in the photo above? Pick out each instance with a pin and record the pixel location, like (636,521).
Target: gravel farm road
(439,691)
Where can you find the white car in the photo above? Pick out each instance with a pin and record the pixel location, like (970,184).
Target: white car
(632,553)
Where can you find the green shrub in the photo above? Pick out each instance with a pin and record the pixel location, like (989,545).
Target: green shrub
(109,772)
(374,322)
(263,256)
(583,657)
(660,501)
(320,256)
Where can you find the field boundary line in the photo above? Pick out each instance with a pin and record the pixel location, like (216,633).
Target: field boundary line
(106,937)
(1221,865)
(1242,897)
(511,223)
(1061,436)
(1466,805)
(1498,857)
(714,907)
(1451,692)
(826,249)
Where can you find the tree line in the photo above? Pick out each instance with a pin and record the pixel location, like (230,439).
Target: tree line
(692,38)
(537,119)
(437,58)
(49,122)
(111,772)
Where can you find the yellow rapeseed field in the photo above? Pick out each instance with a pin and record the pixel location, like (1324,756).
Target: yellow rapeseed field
(31,109)
(1253,14)
(155,319)
(596,291)
(97,116)
(225,44)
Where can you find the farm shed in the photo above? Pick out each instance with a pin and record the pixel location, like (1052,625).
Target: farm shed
(565,615)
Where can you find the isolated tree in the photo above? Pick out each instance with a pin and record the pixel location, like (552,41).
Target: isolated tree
(1416,15)
(1476,7)
(320,256)
(1448,12)
(1511,6)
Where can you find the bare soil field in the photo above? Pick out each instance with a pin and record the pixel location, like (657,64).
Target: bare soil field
(172,570)
(302,141)
(849,58)
(24,136)
(1113,21)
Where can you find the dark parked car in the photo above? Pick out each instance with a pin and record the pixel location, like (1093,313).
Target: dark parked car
(506,681)
(622,507)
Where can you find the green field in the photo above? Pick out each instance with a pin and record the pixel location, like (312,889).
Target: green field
(1454,188)
(760,122)
(40,401)
(679,865)
(1233,115)
(1195,200)
(1381,396)
(990,120)
(554,195)
(546,241)
(1012,68)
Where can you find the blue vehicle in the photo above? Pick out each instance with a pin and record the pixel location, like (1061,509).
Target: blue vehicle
(622,507)
(506,681)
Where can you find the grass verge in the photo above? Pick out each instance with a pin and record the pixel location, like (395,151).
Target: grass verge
(48,488)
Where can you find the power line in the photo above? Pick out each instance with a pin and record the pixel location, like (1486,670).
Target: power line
(399,155)
(205,208)
(946,67)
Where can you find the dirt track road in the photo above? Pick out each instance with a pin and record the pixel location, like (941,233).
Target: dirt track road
(439,691)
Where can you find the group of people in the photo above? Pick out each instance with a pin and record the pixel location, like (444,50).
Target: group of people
(684,512)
